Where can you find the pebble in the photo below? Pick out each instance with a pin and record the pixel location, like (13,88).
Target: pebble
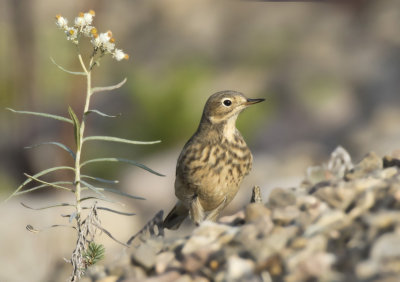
(163,260)
(285,215)
(280,197)
(370,163)
(255,212)
(327,222)
(387,246)
(144,255)
(238,268)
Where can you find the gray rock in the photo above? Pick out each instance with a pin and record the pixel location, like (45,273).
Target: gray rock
(274,243)
(370,163)
(209,235)
(281,198)
(364,203)
(144,255)
(340,162)
(195,261)
(328,221)
(165,277)
(255,212)
(387,246)
(382,219)
(285,215)
(163,261)
(337,197)
(312,246)
(388,172)
(316,265)
(238,268)
(367,269)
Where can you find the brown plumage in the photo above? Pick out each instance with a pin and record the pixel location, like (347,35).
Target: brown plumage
(213,162)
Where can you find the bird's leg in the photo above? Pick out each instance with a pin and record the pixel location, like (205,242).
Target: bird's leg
(196,211)
(213,215)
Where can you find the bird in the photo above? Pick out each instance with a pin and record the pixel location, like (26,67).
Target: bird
(213,162)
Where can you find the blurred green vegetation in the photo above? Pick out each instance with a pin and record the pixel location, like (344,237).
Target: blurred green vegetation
(167,110)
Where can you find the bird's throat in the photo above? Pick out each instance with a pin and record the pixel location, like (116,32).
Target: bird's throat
(229,128)
(225,129)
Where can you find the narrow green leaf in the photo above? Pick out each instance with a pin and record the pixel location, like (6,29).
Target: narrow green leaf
(120,140)
(101,114)
(62,146)
(70,216)
(42,115)
(105,231)
(47,183)
(42,186)
(117,212)
(77,126)
(67,71)
(115,191)
(43,172)
(111,190)
(32,229)
(101,199)
(108,88)
(123,161)
(47,207)
(100,179)
(93,188)
(83,208)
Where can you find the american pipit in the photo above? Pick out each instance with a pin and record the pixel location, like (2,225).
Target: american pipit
(213,162)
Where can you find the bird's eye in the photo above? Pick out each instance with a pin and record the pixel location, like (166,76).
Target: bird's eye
(227,102)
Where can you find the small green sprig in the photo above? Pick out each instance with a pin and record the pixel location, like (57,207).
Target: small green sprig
(93,254)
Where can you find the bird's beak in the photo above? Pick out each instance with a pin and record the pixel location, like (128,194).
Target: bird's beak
(253,101)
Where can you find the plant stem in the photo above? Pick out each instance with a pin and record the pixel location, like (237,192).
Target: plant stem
(81,133)
(77,254)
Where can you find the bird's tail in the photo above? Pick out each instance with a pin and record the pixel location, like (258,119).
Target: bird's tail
(176,216)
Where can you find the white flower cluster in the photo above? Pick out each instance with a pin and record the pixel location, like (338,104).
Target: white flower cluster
(82,26)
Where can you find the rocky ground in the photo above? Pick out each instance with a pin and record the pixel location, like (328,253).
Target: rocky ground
(342,223)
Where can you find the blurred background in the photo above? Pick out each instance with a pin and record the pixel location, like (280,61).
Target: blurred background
(330,74)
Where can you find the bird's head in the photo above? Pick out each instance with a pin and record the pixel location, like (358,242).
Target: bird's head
(224,105)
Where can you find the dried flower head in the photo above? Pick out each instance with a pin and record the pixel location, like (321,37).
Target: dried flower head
(120,55)
(72,34)
(61,22)
(103,42)
(80,21)
(87,31)
(84,19)
(89,17)
(105,37)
